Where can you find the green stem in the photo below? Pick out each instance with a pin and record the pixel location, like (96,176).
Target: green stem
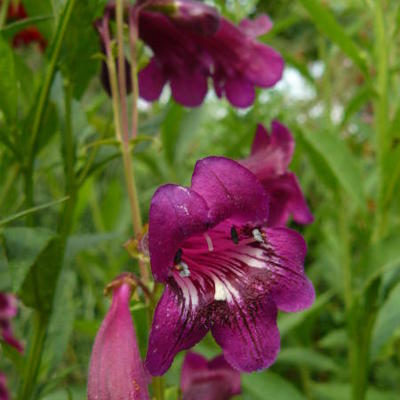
(43,100)
(381,113)
(34,357)
(3,12)
(122,133)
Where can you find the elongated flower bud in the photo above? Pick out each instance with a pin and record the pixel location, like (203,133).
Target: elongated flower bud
(116,370)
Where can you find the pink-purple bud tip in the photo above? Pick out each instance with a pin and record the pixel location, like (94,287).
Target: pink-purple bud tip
(116,370)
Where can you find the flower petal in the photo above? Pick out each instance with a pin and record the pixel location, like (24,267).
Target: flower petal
(189,87)
(287,199)
(151,81)
(192,365)
(248,335)
(116,370)
(177,325)
(256,27)
(240,93)
(230,190)
(271,154)
(176,213)
(290,289)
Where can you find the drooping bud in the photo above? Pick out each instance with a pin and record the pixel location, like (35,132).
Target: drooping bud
(116,370)
(193,15)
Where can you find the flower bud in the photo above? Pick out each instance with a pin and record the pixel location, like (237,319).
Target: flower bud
(116,370)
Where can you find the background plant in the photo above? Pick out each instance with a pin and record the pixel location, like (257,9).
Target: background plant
(64,213)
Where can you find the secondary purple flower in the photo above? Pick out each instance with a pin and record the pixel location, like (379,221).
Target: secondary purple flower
(224,269)
(269,161)
(211,380)
(8,310)
(116,371)
(4,395)
(187,58)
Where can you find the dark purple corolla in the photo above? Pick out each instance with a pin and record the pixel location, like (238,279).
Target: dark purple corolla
(8,310)
(186,55)
(224,269)
(208,380)
(270,157)
(4,395)
(116,371)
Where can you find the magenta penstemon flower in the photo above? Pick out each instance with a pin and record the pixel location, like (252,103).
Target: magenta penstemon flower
(269,161)
(116,371)
(187,58)
(211,380)
(191,44)
(8,310)
(223,268)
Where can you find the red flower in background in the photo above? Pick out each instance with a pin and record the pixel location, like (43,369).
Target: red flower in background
(31,34)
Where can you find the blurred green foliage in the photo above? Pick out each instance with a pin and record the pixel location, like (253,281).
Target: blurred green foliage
(341,98)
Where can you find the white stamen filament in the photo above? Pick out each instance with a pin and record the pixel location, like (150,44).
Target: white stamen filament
(209,242)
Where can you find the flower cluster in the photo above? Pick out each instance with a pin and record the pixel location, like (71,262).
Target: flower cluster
(220,247)
(191,44)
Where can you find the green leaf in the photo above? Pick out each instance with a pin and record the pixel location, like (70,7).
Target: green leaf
(22,248)
(8,81)
(341,162)
(387,322)
(61,321)
(140,314)
(13,355)
(40,284)
(31,210)
(299,356)
(180,125)
(341,391)
(40,8)
(81,43)
(5,277)
(325,21)
(267,385)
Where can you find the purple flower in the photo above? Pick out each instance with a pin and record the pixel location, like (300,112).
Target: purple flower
(8,310)
(187,57)
(116,371)
(269,161)
(211,380)
(4,395)
(224,269)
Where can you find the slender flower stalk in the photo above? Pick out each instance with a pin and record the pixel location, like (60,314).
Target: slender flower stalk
(120,115)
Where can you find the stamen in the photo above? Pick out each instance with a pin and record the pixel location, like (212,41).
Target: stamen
(234,235)
(209,242)
(257,235)
(178,257)
(183,269)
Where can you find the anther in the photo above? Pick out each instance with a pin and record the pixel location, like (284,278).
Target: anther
(257,235)
(234,235)
(178,257)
